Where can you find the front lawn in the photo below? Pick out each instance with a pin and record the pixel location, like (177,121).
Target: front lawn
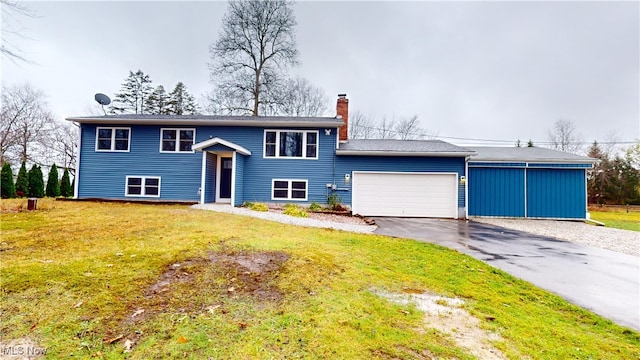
(110,280)
(618,218)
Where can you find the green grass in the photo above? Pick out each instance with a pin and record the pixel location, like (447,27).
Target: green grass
(617,218)
(73,274)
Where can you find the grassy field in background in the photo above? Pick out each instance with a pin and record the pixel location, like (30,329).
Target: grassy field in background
(617,217)
(79,278)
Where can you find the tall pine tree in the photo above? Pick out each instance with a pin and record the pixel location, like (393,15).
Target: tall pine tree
(133,95)
(22,182)
(7,188)
(36,182)
(53,183)
(65,186)
(158,102)
(181,102)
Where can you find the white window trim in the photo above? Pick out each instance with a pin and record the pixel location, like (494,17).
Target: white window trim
(113,138)
(304,144)
(177,151)
(289,189)
(143,184)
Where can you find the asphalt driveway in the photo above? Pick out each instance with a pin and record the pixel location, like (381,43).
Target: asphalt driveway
(603,281)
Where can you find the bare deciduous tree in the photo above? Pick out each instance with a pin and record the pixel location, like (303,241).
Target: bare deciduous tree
(256,43)
(563,137)
(409,128)
(301,98)
(25,122)
(403,128)
(29,131)
(11,11)
(386,128)
(360,127)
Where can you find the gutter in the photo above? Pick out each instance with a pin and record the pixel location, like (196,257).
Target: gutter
(204,122)
(404,153)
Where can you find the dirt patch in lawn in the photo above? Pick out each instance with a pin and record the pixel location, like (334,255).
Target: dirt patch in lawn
(189,286)
(447,316)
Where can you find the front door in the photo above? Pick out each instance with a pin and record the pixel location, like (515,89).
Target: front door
(226,167)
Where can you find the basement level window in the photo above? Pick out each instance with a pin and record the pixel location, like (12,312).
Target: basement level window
(289,189)
(146,186)
(113,139)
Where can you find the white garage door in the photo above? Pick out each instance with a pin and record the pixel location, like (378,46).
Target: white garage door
(405,194)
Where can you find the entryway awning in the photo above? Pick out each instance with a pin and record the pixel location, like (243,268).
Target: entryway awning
(217,144)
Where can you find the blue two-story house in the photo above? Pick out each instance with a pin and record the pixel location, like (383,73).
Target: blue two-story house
(235,159)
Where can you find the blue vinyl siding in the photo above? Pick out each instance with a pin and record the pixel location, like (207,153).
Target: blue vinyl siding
(102,174)
(496,192)
(348,164)
(239,185)
(556,193)
(210,177)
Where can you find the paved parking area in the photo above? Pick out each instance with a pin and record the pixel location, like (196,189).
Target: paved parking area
(603,281)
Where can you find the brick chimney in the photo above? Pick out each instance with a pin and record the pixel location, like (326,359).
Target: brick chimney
(342,110)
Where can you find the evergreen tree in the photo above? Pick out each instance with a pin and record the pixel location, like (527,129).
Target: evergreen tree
(181,102)
(133,95)
(22,182)
(530,143)
(158,102)
(36,182)
(53,183)
(65,185)
(7,188)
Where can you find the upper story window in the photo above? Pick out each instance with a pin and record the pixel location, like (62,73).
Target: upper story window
(291,144)
(113,139)
(177,140)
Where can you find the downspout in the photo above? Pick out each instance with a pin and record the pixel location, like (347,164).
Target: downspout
(526,165)
(77,174)
(466,187)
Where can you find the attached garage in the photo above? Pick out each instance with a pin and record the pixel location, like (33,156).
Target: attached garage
(528,182)
(405,194)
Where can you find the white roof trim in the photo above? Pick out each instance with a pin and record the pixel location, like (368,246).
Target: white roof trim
(328,123)
(403,153)
(216,140)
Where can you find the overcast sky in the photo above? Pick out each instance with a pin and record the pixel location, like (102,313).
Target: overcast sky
(481,70)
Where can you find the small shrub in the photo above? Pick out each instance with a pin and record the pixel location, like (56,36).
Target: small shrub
(65,185)
(22,182)
(36,182)
(295,210)
(257,206)
(7,187)
(315,206)
(53,183)
(334,201)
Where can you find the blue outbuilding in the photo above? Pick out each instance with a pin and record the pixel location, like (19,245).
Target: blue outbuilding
(528,182)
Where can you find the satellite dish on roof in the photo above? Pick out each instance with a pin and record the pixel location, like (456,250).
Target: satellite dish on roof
(103,100)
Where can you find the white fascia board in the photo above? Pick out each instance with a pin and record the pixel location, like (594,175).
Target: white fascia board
(538,161)
(403,153)
(204,122)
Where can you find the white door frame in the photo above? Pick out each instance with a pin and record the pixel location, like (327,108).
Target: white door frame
(220,155)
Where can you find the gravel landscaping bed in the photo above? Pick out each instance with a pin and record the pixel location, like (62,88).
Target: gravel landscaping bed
(622,241)
(320,220)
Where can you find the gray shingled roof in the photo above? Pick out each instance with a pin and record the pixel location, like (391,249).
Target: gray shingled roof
(401,147)
(137,119)
(526,154)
